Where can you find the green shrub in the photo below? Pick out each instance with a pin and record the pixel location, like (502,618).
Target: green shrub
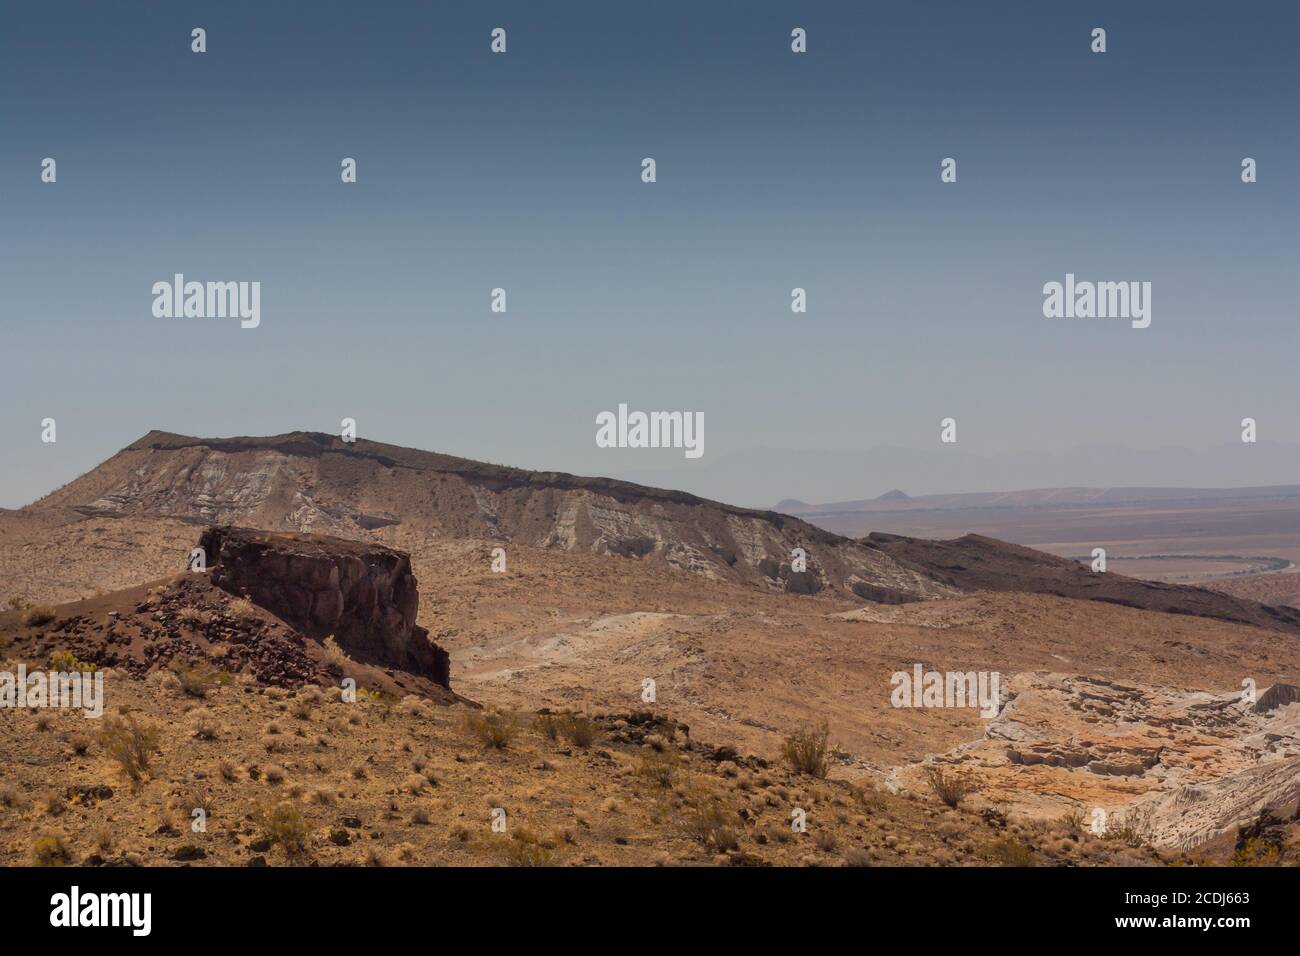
(66,662)
(50,850)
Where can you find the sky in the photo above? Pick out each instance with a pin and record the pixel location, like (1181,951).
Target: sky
(775,170)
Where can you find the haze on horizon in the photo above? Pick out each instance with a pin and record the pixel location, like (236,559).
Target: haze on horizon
(774,171)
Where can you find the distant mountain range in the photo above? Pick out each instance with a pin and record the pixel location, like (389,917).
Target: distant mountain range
(759,476)
(1042,498)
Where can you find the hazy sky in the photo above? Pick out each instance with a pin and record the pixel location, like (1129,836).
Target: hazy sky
(522,171)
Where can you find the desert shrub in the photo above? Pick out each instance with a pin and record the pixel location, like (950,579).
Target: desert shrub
(104,838)
(857,857)
(205,725)
(80,744)
(54,803)
(825,841)
(492,728)
(1074,820)
(579,729)
(1012,853)
(333,651)
(658,768)
(710,822)
(36,616)
(873,800)
(806,750)
(524,848)
(548,725)
(1256,852)
(131,744)
(66,662)
(950,788)
(241,608)
(50,850)
(196,799)
(195,681)
(192,617)
(1131,829)
(18,603)
(283,825)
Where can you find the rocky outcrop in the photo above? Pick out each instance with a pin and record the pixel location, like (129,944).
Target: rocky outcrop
(1279,695)
(1182,767)
(364,595)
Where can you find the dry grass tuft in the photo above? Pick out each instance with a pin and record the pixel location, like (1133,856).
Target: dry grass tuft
(807,750)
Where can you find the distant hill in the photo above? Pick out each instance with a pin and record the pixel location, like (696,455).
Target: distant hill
(1045,498)
(310,482)
(974,562)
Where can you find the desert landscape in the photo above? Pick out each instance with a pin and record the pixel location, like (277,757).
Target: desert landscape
(394,657)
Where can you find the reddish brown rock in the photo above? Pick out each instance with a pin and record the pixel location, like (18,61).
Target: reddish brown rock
(363,594)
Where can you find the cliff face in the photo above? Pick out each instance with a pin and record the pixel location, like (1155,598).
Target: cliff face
(364,595)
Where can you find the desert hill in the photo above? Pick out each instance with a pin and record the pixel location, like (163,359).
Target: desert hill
(976,563)
(318,483)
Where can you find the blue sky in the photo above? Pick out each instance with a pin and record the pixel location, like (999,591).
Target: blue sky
(521,171)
